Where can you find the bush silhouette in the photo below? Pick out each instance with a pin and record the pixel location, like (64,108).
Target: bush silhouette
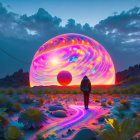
(32,118)
(124,131)
(14,133)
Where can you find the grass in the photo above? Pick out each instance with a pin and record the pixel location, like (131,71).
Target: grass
(32,118)
(112,92)
(121,114)
(10,91)
(49,90)
(125,130)
(19,91)
(109,102)
(115,90)
(41,100)
(103,104)
(135,114)
(138,86)
(126,104)
(74,98)
(14,133)
(39,137)
(3,91)
(4,119)
(97,100)
(132,89)
(48,100)
(121,108)
(27,90)
(18,107)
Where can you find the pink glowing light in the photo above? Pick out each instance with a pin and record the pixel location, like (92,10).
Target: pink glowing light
(78,54)
(80,118)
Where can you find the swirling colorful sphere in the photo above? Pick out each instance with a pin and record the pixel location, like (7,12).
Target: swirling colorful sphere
(64,78)
(76,53)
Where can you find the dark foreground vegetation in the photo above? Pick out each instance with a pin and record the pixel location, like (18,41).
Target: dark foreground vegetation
(123,121)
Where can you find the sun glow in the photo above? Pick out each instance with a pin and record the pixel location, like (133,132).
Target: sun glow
(55,61)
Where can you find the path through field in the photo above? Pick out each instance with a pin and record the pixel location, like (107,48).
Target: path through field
(80,118)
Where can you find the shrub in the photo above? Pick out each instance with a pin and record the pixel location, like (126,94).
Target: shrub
(109,91)
(74,98)
(20,91)
(126,104)
(121,114)
(20,99)
(103,104)
(97,100)
(4,122)
(39,137)
(124,131)
(38,104)
(96,91)
(32,118)
(125,91)
(56,91)
(115,90)
(4,91)
(6,102)
(68,91)
(27,90)
(48,100)
(4,119)
(137,91)
(138,86)
(132,89)
(10,91)
(41,100)
(135,114)
(75,91)
(14,133)
(109,102)
(27,100)
(121,108)
(10,113)
(47,90)
(41,91)
(18,107)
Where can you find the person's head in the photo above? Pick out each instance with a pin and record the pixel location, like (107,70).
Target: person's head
(85,78)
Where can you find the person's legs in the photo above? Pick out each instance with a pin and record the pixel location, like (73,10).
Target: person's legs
(85,99)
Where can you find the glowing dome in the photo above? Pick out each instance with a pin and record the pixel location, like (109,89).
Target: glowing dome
(78,54)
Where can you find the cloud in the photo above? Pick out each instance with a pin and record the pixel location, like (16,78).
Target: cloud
(124,27)
(22,35)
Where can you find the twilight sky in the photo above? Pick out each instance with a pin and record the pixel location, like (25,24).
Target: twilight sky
(83,11)
(26,24)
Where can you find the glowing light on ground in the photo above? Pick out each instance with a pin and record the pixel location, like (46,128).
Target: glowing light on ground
(80,118)
(78,54)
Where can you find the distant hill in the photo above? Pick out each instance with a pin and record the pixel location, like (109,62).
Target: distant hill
(20,78)
(132,74)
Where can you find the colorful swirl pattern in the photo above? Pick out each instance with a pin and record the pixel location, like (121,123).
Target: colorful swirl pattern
(78,54)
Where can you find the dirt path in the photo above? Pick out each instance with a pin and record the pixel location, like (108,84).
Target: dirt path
(81,117)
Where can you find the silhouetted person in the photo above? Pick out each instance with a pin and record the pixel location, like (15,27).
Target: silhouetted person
(86,88)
